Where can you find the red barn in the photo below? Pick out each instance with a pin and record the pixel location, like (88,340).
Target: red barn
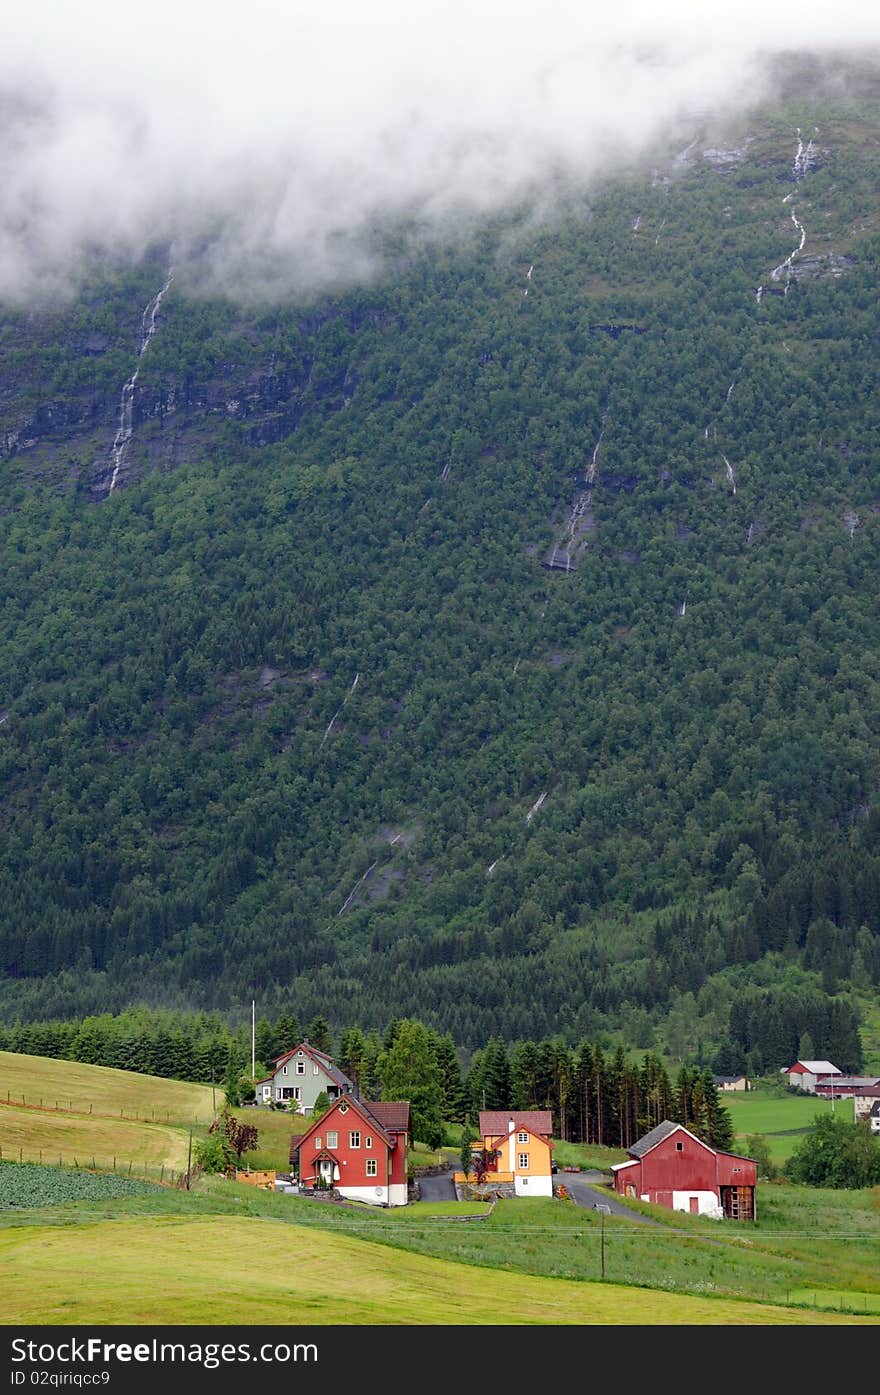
(671,1167)
(360,1148)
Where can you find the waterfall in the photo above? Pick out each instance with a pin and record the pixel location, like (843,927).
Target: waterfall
(126,403)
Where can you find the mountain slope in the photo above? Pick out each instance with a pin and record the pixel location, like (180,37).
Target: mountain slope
(300,708)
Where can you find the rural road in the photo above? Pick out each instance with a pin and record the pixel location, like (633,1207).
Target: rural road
(437,1188)
(578,1186)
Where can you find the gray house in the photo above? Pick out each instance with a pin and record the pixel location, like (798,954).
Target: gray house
(299,1077)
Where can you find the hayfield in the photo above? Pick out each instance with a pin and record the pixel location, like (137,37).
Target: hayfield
(223,1270)
(49,1083)
(755,1111)
(34,1135)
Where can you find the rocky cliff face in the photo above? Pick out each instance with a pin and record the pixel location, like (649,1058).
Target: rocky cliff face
(60,404)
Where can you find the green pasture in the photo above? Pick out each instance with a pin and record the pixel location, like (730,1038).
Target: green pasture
(275,1128)
(804,1238)
(34,1135)
(231,1270)
(44,1083)
(757,1111)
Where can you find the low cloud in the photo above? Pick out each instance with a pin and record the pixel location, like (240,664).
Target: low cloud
(267,142)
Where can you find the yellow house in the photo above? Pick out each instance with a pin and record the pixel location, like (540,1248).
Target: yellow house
(521,1142)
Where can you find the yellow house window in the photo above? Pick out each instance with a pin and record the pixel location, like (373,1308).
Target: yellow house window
(523,1160)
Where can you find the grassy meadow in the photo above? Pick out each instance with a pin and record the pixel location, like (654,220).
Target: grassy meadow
(69,1085)
(782,1118)
(34,1135)
(231,1270)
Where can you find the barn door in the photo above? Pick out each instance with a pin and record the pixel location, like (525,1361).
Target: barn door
(694,1205)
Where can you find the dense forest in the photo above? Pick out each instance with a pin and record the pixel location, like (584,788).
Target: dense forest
(495,643)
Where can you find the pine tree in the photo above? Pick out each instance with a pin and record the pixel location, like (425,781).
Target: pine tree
(318,1034)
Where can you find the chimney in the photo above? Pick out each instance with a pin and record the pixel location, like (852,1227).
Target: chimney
(510,1126)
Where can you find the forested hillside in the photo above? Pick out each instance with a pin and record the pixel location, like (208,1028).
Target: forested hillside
(495,643)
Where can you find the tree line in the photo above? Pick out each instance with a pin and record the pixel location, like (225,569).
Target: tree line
(595,1095)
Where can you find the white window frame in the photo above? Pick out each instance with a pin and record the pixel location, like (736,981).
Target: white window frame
(354,1138)
(522,1160)
(368,1141)
(315,1070)
(332,1138)
(372,1167)
(317,1140)
(300,1067)
(522,1136)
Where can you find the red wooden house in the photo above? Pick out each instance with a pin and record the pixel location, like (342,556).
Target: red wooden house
(360,1148)
(671,1167)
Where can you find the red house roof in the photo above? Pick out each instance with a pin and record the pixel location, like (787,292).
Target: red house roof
(387,1118)
(496,1122)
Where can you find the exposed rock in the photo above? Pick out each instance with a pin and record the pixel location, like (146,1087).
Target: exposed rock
(820,266)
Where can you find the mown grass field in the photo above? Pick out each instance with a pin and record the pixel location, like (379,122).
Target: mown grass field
(783,1119)
(70,1085)
(34,1135)
(757,1111)
(233,1270)
(805,1241)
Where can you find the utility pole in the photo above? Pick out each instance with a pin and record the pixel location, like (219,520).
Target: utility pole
(253,1038)
(189,1156)
(602,1244)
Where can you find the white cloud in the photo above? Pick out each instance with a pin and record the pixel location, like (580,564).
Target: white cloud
(280,134)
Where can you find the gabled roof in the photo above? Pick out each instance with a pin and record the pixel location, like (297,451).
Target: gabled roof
(814,1068)
(650,1140)
(320,1058)
(729,1079)
(524,1128)
(665,1130)
(496,1122)
(385,1117)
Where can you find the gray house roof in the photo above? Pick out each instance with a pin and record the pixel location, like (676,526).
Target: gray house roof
(650,1140)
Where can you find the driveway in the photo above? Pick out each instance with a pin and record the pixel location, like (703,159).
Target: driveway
(437,1188)
(577,1184)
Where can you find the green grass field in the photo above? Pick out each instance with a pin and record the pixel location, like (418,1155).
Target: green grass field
(33,1135)
(69,1085)
(783,1119)
(230,1270)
